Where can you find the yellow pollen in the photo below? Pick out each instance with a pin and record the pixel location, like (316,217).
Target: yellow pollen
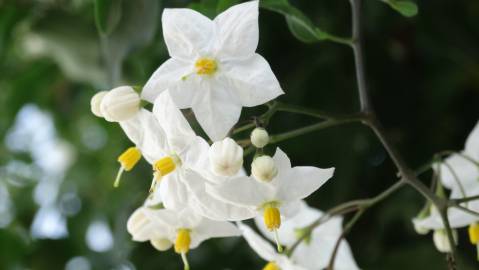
(206,66)
(129,158)
(183,241)
(272,217)
(474,233)
(271,266)
(164,166)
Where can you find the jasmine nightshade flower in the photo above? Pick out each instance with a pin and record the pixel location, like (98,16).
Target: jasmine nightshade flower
(183,229)
(280,195)
(265,250)
(459,173)
(180,161)
(213,67)
(315,251)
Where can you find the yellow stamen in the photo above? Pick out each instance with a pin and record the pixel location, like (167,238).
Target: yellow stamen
(206,66)
(164,166)
(272,221)
(271,266)
(474,233)
(128,160)
(183,241)
(272,217)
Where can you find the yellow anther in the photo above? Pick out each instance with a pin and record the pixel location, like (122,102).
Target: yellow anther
(206,66)
(164,166)
(129,158)
(272,217)
(271,266)
(474,233)
(183,241)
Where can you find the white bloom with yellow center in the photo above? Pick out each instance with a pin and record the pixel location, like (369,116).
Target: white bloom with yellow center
(185,229)
(277,197)
(180,160)
(315,251)
(213,67)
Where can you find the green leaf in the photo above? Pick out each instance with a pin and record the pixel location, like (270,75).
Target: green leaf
(225,4)
(107,15)
(299,25)
(406,8)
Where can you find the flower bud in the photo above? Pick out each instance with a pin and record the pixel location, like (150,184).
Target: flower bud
(139,225)
(161,244)
(441,241)
(95,103)
(259,137)
(226,157)
(421,229)
(120,104)
(264,169)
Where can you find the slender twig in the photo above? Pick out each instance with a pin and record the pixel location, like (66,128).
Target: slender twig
(466,199)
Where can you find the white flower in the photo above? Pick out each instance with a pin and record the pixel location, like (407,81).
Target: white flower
(180,160)
(441,241)
(264,168)
(184,229)
(95,103)
(226,157)
(259,137)
(213,67)
(283,192)
(264,249)
(315,251)
(120,104)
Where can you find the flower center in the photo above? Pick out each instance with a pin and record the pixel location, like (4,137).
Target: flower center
(206,66)
(165,165)
(183,241)
(271,266)
(128,160)
(474,233)
(272,217)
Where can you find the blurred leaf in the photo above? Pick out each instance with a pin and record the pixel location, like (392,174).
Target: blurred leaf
(107,15)
(406,8)
(137,28)
(225,4)
(300,25)
(206,7)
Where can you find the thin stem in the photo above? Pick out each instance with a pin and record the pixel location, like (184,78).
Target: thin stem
(314,127)
(346,230)
(283,107)
(466,199)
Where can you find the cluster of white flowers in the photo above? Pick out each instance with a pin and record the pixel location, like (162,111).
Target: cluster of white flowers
(198,188)
(460,174)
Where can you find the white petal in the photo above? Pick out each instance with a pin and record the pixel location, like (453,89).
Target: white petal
(281,161)
(237,31)
(213,229)
(187,33)
(177,129)
(456,171)
(472,142)
(262,247)
(216,109)
(168,76)
(252,80)
(146,133)
(173,192)
(211,207)
(242,191)
(195,156)
(457,218)
(300,182)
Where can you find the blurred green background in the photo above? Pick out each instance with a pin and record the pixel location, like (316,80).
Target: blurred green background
(58,209)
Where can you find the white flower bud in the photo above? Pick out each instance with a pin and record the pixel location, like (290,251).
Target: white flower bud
(441,241)
(120,104)
(226,157)
(259,137)
(421,229)
(95,103)
(264,169)
(161,244)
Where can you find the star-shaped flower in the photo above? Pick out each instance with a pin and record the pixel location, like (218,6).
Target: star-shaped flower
(213,67)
